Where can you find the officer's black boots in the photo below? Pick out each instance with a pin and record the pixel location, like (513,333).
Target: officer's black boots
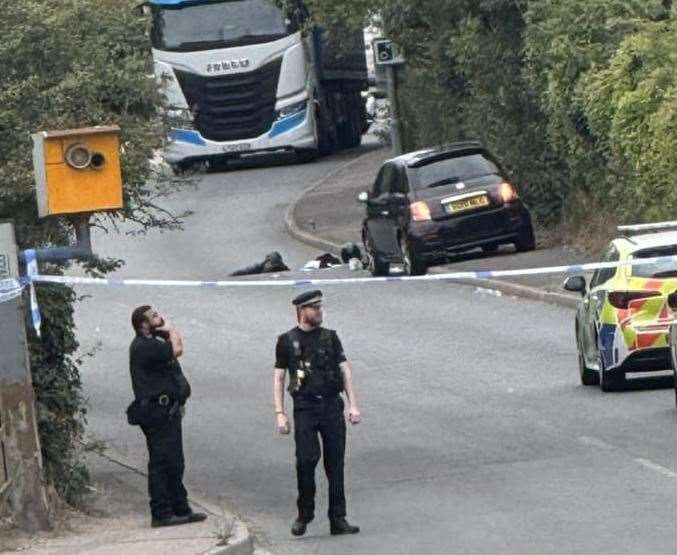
(175,520)
(299,527)
(196,517)
(170,521)
(339,526)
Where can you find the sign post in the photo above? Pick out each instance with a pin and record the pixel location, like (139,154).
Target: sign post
(21,480)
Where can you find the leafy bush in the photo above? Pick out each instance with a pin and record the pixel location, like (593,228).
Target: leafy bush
(577,97)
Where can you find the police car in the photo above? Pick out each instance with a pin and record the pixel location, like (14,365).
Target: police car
(623,320)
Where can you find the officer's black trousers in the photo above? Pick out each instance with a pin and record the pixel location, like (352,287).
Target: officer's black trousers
(165,468)
(324,418)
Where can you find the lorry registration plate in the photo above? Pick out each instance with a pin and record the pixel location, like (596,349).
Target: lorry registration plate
(242,147)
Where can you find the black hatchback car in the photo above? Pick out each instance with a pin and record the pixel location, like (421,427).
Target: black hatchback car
(429,204)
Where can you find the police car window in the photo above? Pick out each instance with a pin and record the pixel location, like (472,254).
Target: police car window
(659,269)
(604,275)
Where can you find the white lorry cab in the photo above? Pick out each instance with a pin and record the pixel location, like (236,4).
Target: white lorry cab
(240,77)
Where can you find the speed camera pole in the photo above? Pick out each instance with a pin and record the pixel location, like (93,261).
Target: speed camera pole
(387,54)
(395,131)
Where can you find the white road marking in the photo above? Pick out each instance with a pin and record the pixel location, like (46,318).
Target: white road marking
(646,463)
(595,442)
(657,467)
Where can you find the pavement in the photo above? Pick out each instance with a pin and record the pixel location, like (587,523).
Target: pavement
(115,518)
(327,214)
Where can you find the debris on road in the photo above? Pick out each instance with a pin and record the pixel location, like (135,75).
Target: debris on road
(271,263)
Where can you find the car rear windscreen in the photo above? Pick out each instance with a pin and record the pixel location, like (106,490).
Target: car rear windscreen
(661,269)
(451,170)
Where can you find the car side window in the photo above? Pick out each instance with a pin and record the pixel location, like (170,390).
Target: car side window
(376,190)
(389,178)
(399,184)
(603,275)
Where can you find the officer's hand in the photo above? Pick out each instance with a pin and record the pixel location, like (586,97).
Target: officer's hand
(354,415)
(165,327)
(283,424)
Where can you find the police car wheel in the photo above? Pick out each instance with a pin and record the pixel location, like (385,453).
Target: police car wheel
(608,380)
(588,376)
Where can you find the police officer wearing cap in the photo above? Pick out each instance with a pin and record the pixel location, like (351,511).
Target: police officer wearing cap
(318,374)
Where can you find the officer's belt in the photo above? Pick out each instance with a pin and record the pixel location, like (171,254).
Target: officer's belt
(163,400)
(312,397)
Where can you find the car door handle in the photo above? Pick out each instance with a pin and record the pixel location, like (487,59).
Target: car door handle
(385,213)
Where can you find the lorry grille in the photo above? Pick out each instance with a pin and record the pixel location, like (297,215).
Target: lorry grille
(232,107)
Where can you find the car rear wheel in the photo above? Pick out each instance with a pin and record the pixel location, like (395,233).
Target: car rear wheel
(588,375)
(378,267)
(526,240)
(414,265)
(674,373)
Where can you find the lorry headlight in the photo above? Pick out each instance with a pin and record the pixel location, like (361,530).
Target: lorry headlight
(292,109)
(180,118)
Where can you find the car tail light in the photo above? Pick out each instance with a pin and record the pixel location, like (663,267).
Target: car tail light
(507,192)
(621,299)
(420,211)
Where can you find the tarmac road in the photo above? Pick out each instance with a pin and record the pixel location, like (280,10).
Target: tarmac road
(477,437)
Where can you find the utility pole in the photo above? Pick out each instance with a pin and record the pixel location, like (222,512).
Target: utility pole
(21,481)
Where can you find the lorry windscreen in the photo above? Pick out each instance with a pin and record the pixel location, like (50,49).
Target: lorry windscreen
(218,25)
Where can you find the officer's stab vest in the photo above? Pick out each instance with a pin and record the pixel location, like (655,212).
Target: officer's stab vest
(323,362)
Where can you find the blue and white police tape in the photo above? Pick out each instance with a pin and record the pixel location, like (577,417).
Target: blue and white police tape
(449,276)
(31,272)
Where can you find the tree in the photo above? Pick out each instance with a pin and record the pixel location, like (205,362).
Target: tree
(68,64)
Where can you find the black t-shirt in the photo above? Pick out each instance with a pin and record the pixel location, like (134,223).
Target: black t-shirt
(151,365)
(309,341)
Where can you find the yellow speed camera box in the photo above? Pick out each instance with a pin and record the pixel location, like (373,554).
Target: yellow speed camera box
(77,170)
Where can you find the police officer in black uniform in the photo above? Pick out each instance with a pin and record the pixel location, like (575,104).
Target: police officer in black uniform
(160,393)
(318,373)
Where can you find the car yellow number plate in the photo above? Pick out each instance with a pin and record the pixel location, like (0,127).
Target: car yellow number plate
(464,204)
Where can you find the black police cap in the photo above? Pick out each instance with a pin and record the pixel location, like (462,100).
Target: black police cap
(308,298)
